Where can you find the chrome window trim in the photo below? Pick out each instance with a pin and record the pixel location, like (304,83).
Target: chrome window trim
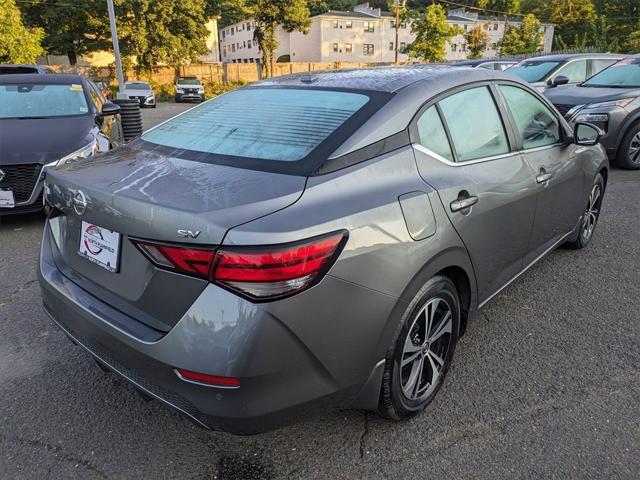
(450,163)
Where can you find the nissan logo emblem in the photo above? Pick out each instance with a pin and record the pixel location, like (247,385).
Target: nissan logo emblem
(2,175)
(79,202)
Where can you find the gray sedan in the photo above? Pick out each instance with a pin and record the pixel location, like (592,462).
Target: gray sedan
(142,92)
(313,241)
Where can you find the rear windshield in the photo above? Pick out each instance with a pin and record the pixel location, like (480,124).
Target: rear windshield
(624,74)
(260,123)
(532,71)
(25,100)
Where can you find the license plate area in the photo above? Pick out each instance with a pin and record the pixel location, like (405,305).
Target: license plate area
(7,199)
(100,246)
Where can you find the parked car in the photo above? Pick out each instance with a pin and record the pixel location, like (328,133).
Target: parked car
(313,240)
(8,69)
(189,89)
(48,120)
(549,71)
(142,92)
(489,64)
(611,101)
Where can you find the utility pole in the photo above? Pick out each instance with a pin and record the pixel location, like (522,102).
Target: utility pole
(116,51)
(397,6)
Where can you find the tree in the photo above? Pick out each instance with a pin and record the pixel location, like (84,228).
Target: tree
(227,11)
(72,27)
(432,32)
(291,15)
(162,31)
(477,41)
(623,19)
(522,39)
(573,18)
(18,43)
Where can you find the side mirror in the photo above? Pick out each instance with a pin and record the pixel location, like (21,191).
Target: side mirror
(109,108)
(559,80)
(586,134)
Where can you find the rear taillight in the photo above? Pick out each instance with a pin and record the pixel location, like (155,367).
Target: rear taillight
(258,273)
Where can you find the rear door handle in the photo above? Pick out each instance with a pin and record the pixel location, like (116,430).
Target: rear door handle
(543,177)
(463,203)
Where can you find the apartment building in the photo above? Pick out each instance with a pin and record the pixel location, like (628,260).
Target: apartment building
(364,35)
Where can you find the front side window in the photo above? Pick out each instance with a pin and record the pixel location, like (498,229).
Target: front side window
(475,124)
(260,123)
(534,70)
(537,125)
(575,71)
(432,134)
(24,100)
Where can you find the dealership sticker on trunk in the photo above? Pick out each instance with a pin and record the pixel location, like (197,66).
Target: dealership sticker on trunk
(6,199)
(100,246)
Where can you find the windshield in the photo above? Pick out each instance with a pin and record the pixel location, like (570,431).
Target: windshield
(188,81)
(260,123)
(625,73)
(137,86)
(534,70)
(25,100)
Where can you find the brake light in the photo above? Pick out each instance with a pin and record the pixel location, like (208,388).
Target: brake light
(257,273)
(203,378)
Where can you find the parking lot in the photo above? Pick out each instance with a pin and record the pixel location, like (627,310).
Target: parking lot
(546,384)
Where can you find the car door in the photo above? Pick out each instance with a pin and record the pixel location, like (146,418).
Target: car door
(463,150)
(558,175)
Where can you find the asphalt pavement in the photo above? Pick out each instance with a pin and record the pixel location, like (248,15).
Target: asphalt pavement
(546,384)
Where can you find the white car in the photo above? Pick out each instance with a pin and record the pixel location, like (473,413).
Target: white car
(142,92)
(189,89)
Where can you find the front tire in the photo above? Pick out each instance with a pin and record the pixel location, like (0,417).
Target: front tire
(628,156)
(590,216)
(422,351)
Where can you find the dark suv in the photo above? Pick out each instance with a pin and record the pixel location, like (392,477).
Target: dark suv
(611,101)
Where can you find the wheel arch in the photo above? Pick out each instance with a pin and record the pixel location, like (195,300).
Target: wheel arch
(629,123)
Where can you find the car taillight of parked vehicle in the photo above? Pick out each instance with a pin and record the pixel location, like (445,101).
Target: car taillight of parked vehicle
(256,273)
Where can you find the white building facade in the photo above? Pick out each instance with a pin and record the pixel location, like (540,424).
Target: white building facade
(365,35)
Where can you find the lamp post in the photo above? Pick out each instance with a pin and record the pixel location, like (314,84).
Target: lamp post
(116,51)
(398,5)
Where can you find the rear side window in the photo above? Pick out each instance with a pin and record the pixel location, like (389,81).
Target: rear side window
(475,124)
(261,123)
(599,64)
(537,125)
(432,134)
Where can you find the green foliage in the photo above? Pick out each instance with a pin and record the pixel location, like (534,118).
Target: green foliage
(477,41)
(227,11)
(162,31)
(432,32)
(72,27)
(573,19)
(292,15)
(523,39)
(317,7)
(18,44)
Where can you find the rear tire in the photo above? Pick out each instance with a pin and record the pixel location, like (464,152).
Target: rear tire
(628,156)
(422,351)
(590,216)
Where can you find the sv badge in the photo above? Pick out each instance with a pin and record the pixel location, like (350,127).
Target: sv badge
(188,233)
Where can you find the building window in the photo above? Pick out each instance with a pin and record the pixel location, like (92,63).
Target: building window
(223,33)
(367,49)
(393,23)
(495,26)
(233,47)
(348,48)
(466,27)
(248,27)
(237,28)
(244,44)
(454,47)
(464,47)
(403,25)
(248,43)
(369,27)
(391,46)
(403,47)
(494,46)
(335,47)
(335,24)
(348,24)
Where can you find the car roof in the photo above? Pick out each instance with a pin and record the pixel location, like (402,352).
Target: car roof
(569,56)
(62,78)
(380,79)
(485,60)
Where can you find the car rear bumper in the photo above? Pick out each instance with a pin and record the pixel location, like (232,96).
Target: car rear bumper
(281,377)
